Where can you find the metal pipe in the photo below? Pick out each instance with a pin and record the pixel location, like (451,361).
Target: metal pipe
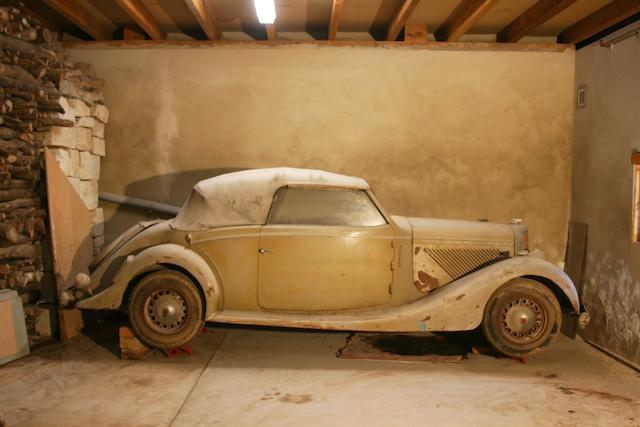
(609,43)
(139,203)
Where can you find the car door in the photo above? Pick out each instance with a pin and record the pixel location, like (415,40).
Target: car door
(324,249)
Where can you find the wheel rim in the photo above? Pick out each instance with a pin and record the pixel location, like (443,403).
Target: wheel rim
(165,311)
(522,319)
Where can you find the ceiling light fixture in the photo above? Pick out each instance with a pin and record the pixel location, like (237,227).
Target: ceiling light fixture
(266,11)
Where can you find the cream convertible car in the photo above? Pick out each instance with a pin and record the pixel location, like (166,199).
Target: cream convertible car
(310,249)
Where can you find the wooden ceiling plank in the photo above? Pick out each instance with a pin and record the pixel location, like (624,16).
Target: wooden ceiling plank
(532,18)
(80,17)
(603,18)
(271,32)
(206,18)
(141,15)
(336,13)
(462,18)
(400,19)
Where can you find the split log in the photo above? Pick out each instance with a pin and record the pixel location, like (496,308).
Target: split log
(21,251)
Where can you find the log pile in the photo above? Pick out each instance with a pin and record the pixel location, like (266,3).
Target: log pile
(44,100)
(28,106)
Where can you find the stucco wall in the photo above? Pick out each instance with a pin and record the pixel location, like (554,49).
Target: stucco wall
(606,133)
(442,133)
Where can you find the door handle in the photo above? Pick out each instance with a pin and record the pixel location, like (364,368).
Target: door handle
(264,251)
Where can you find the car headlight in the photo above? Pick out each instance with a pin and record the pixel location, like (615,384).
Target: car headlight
(520,239)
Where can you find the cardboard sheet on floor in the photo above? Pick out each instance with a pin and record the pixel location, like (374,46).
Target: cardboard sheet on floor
(71,240)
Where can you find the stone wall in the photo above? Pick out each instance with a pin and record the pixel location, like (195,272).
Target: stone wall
(78,149)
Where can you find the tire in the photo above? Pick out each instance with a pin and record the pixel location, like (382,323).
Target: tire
(521,317)
(165,310)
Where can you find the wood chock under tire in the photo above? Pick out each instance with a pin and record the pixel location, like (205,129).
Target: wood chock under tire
(130,347)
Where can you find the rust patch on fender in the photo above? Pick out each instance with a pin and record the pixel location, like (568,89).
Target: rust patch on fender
(416,250)
(459,297)
(425,283)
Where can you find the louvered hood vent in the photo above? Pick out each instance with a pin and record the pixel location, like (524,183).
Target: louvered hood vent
(458,262)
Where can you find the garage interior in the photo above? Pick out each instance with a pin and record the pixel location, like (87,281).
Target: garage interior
(505,111)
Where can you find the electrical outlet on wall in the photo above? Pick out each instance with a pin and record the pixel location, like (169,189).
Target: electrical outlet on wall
(581,96)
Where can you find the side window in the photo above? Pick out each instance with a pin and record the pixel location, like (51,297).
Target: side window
(319,206)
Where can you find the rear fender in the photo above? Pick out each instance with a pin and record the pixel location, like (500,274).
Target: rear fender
(155,258)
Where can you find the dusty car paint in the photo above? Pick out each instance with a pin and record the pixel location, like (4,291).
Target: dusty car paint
(458,306)
(412,274)
(325,268)
(444,250)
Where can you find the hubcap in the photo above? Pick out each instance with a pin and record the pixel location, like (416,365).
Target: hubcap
(522,320)
(165,311)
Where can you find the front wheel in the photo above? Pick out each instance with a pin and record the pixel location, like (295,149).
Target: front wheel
(522,316)
(165,310)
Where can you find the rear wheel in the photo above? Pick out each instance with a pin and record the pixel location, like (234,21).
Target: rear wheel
(522,316)
(165,310)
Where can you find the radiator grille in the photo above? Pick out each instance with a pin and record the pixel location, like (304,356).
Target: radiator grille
(458,262)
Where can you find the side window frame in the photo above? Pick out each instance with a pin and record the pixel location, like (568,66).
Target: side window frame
(327,188)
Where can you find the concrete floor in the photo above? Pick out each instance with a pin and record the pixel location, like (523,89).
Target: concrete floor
(257,377)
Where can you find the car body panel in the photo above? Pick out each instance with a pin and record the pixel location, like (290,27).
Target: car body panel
(444,250)
(310,268)
(233,254)
(458,306)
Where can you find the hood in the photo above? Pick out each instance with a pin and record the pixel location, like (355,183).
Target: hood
(461,231)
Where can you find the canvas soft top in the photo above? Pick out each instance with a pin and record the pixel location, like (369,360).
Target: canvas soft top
(244,198)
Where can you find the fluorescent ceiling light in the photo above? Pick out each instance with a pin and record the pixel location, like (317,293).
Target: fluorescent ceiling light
(266,11)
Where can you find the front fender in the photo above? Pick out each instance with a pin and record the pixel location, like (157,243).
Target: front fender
(460,304)
(151,259)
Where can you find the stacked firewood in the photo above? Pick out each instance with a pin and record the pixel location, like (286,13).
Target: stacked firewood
(28,106)
(30,75)
(45,100)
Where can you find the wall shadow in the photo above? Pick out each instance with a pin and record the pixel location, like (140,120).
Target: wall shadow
(172,189)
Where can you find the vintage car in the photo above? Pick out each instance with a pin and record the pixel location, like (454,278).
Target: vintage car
(311,249)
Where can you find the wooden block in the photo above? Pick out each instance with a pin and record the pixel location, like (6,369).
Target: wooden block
(46,325)
(7,334)
(415,33)
(130,347)
(70,323)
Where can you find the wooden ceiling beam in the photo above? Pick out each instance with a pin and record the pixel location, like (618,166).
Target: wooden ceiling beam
(400,19)
(532,18)
(462,18)
(205,17)
(80,17)
(141,15)
(336,13)
(271,31)
(603,18)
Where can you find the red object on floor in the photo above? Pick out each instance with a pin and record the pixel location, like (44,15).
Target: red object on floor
(186,349)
